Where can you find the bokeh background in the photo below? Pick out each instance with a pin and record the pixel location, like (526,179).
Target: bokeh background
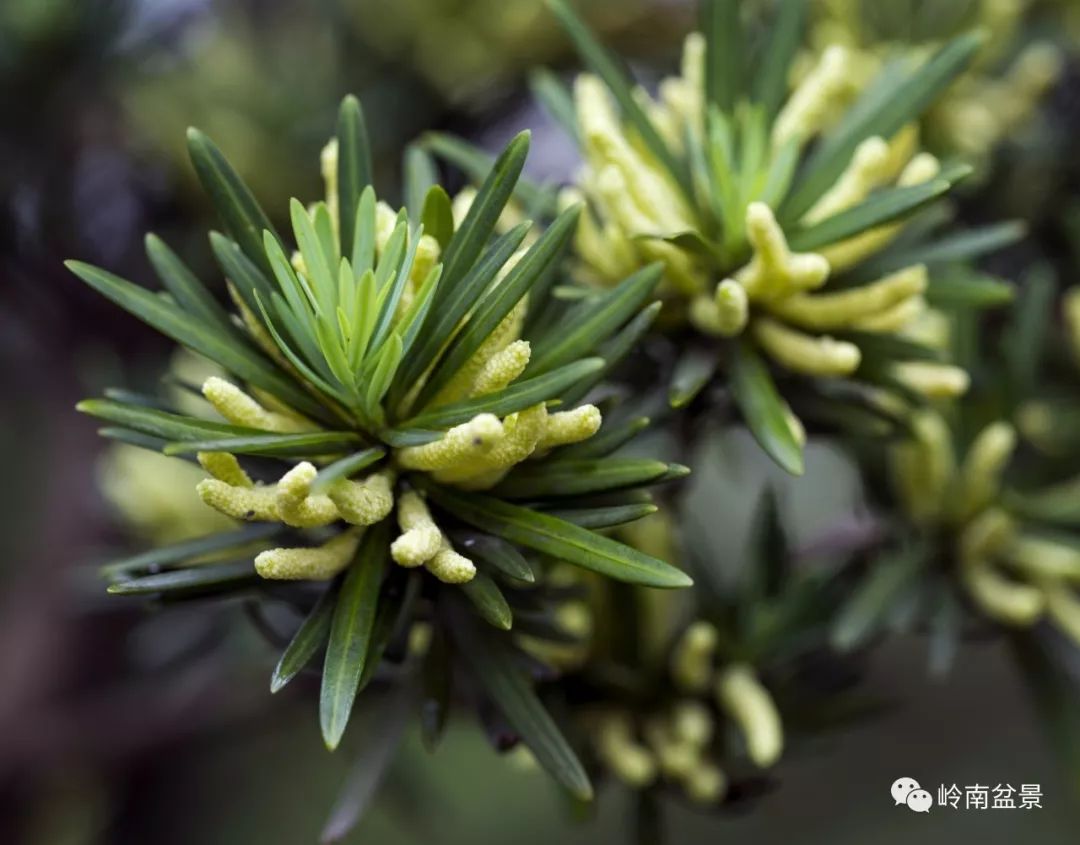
(122,726)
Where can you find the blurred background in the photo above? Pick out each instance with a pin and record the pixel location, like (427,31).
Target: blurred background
(119,725)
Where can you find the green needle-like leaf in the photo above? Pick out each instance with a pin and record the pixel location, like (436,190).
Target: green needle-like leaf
(354,167)
(556,537)
(496,553)
(516,397)
(589,326)
(501,301)
(772,76)
(479,223)
(762,408)
(604,64)
(878,594)
(454,305)
(558,478)
(234,355)
(306,642)
(489,601)
(496,668)
(240,211)
(350,633)
(882,207)
(891,103)
(168,426)
(303,445)
(724,45)
(164,556)
(595,518)
(205,577)
(694,370)
(189,293)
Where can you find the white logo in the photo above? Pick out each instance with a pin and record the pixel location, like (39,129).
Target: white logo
(907,791)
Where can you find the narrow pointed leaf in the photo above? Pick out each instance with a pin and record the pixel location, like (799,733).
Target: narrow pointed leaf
(189,293)
(240,211)
(454,305)
(235,356)
(890,104)
(595,518)
(516,397)
(591,324)
(556,537)
(496,669)
(724,44)
(209,576)
(470,238)
(303,445)
(579,477)
(309,638)
(354,167)
(164,556)
(490,603)
(495,553)
(501,301)
(880,208)
(764,411)
(350,633)
(694,370)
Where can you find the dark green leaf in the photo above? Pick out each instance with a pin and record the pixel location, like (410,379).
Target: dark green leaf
(189,293)
(518,396)
(350,633)
(304,445)
(875,597)
(477,163)
(500,301)
(234,355)
(386,729)
(560,539)
(694,369)
(496,553)
(764,411)
(479,223)
(213,576)
(595,518)
(240,211)
(308,639)
(880,208)
(496,669)
(593,322)
(438,688)
(970,290)
(489,601)
(614,350)
(771,79)
(888,105)
(724,42)
(558,478)
(452,307)
(160,423)
(163,556)
(354,167)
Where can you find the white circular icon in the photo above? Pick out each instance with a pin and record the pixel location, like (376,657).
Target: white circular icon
(902,787)
(920,801)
